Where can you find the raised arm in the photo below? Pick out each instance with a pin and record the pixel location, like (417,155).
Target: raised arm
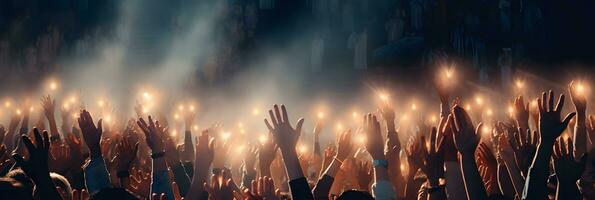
(204,157)
(96,174)
(521,113)
(323,186)
(551,127)
(433,165)
(36,167)
(580,129)
(382,188)
(568,171)
(286,137)
(466,140)
(127,150)
(49,106)
(154,134)
(266,155)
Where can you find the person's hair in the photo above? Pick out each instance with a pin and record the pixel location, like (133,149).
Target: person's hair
(62,182)
(113,193)
(355,195)
(13,189)
(20,176)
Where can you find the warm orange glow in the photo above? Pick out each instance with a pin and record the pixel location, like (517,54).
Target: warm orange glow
(255,111)
(520,84)
(320,115)
(262,139)
(478,100)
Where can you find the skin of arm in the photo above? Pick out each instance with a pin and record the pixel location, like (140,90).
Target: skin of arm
(49,106)
(466,140)
(322,189)
(204,157)
(550,127)
(580,129)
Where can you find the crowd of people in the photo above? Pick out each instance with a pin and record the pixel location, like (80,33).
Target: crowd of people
(535,153)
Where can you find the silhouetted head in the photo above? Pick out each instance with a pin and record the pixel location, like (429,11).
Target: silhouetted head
(355,195)
(112,194)
(20,176)
(62,185)
(13,189)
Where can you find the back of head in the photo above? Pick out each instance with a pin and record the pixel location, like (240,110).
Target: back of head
(112,194)
(13,189)
(62,183)
(355,195)
(19,176)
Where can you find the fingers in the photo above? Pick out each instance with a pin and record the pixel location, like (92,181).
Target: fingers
(28,143)
(284,112)
(560,103)
(298,127)
(46,140)
(567,119)
(273,118)
(550,104)
(278,114)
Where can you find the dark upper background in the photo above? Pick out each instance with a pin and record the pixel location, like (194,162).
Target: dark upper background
(403,36)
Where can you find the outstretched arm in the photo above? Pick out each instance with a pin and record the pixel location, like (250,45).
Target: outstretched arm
(286,137)
(323,186)
(466,141)
(550,126)
(36,167)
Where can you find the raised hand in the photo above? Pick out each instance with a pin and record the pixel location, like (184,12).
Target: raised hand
(205,151)
(172,155)
(466,140)
(550,123)
(364,175)
(374,144)
(524,145)
(568,171)
(250,160)
(579,100)
(488,168)
(59,159)
(262,189)
(91,133)
(345,146)
(37,167)
(415,152)
(221,188)
(76,154)
(433,158)
(466,137)
(266,155)
(126,150)
(521,112)
(285,135)
(153,133)
(49,106)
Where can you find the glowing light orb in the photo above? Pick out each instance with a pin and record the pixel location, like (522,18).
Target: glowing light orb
(478,100)
(320,115)
(262,139)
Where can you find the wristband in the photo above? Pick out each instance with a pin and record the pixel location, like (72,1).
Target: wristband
(380,163)
(123,174)
(157,155)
